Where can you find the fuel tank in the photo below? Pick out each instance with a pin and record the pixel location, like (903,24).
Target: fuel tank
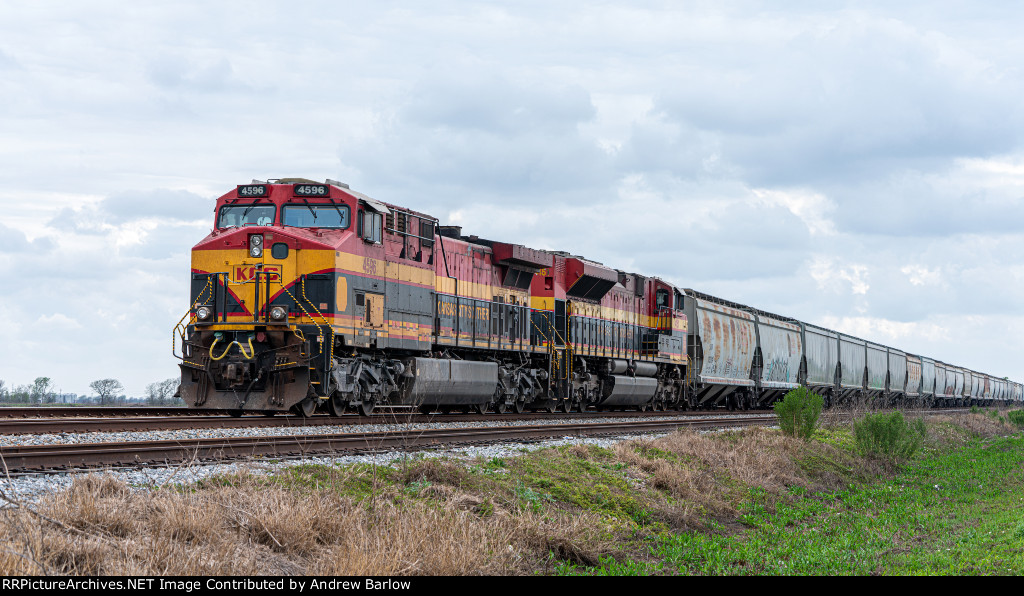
(619,390)
(443,382)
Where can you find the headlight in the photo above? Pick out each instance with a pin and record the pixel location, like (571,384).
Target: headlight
(256,245)
(203,313)
(278,313)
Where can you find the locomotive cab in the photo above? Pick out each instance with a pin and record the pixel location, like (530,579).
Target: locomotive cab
(264,296)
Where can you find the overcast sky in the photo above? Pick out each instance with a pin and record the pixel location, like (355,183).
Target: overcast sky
(850,164)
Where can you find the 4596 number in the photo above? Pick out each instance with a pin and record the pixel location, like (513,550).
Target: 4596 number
(311,190)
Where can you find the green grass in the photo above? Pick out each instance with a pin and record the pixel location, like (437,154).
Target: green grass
(593,482)
(951,513)
(954,508)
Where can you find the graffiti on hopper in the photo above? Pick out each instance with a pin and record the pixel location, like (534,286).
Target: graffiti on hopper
(777,370)
(727,345)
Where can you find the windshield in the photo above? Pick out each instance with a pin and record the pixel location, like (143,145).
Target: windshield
(315,216)
(245,215)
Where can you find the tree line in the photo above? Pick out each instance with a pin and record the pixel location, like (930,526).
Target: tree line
(106,392)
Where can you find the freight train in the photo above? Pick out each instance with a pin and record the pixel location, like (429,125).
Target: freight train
(309,295)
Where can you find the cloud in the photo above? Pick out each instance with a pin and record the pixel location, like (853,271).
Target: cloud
(812,208)
(817,161)
(154,207)
(13,241)
(886,331)
(204,76)
(830,274)
(921,276)
(850,96)
(482,137)
(58,322)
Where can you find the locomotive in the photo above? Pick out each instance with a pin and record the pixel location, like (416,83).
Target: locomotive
(309,295)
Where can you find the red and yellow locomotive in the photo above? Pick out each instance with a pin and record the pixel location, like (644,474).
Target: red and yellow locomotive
(310,295)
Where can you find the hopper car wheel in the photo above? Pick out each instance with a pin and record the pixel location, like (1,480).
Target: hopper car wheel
(479,409)
(306,407)
(366,407)
(500,407)
(518,407)
(337,405)
(446,409)
(424,409)
(270,413)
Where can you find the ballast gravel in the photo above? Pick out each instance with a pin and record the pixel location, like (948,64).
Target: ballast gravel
(284,431)
(30,487)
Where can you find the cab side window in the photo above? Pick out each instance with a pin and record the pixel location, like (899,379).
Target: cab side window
(370,226)
(662,298)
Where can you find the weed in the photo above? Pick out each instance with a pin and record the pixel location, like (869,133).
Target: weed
(889,435)
(798,412)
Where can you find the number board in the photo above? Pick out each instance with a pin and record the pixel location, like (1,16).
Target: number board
(252,190)
(310,190)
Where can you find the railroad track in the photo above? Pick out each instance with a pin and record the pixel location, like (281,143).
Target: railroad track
(13,421)
(14,413)
(102,411)
(52,458)
(26,426)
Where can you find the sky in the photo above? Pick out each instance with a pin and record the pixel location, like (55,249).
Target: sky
(856,165)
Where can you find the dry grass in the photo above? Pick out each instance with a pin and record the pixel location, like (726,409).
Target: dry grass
(708,474)
(943,428)
(961,427)
(101,527)
(437,517)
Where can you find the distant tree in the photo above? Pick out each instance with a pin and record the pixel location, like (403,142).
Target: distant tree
(106,389)
(42,390)
(21,394)
(159,394)
(3,390)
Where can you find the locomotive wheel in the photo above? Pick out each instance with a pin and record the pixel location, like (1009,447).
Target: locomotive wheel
(306,407)
(337,405)
(581,406)
(551,407)
(366,407)
(566,406)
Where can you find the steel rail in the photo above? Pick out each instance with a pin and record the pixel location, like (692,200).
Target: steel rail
(14,412)
(104,411)
(26,458)
(26,426)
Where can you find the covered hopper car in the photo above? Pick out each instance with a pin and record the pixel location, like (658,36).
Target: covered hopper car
(310,295)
